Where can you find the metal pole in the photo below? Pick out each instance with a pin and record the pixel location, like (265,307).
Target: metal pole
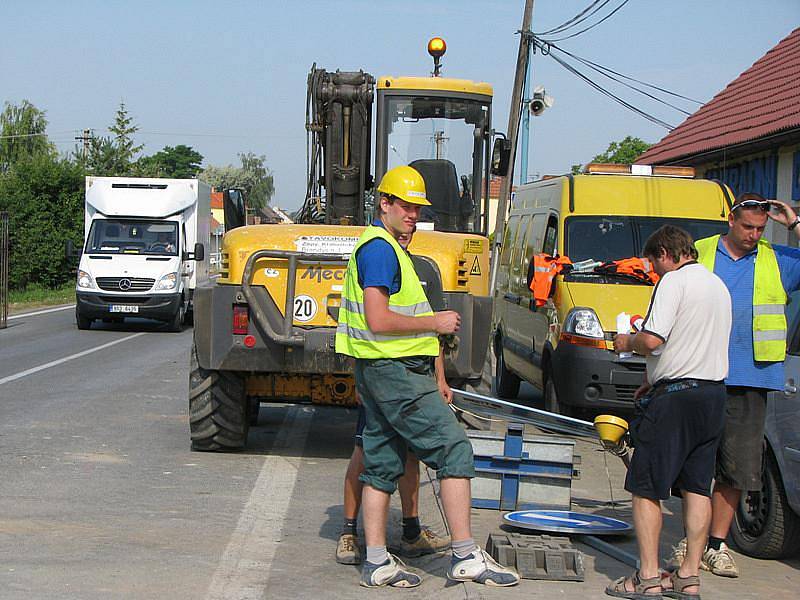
(512,134)
(526,120)
(3,269)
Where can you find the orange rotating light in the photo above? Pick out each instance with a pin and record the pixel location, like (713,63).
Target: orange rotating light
(437,47)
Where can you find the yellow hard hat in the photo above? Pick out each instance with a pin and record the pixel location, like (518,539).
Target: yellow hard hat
(405,183)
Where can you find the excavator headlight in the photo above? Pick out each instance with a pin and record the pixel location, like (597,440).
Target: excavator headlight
(437,47)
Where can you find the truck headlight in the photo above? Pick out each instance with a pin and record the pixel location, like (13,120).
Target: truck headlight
(584,322)
(167,282)
(85,280)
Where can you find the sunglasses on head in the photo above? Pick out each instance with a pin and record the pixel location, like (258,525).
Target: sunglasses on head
(764,205)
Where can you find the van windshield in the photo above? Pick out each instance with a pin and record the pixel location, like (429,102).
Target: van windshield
(612,238)
(125,236)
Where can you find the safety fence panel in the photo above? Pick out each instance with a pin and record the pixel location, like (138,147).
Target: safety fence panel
(3,269)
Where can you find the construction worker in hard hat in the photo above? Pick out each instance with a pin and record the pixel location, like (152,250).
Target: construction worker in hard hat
(387,325)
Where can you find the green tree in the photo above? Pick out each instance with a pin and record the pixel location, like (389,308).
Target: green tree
(253,177)
(624,152)
(43,195)
(22,133)
(180,162)
(114,155)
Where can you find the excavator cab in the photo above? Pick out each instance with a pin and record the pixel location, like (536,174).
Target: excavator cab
(442,128)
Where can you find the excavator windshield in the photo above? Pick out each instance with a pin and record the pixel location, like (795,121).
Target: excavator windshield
(444,136)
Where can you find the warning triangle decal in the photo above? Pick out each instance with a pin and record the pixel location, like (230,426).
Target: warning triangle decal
(476,268)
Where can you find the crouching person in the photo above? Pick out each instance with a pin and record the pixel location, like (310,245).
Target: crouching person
(680,414)
(387,325)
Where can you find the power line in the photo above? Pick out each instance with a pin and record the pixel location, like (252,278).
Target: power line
(608,16)
(588,62)
(30,135)
(604,71)
(576,20)
(605,92)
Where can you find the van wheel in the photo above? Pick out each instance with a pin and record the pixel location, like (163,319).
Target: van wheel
(505,382)
(551,402)
(765,525)
(82,322)
(176,324)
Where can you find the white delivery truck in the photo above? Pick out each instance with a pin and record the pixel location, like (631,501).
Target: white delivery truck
(145,249)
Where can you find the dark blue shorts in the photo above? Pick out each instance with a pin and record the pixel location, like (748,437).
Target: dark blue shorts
(675,442)
(358,439)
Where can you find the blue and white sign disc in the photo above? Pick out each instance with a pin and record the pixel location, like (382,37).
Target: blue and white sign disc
(565,521)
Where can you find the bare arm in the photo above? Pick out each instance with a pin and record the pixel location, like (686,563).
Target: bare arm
(642,343)
(381,319)
(441,381)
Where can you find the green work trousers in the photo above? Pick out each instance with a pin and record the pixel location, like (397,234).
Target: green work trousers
(405,410)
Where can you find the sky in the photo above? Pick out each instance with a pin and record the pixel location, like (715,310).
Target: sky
(230,77)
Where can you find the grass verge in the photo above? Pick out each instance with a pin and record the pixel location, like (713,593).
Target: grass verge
(35,296)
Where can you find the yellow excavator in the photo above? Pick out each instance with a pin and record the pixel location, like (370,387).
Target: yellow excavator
(264,330)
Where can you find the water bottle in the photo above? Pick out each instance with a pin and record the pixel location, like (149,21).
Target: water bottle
(624,326)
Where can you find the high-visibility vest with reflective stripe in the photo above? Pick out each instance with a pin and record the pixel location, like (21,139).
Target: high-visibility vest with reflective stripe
(769,298)
(353,335)
(545,269)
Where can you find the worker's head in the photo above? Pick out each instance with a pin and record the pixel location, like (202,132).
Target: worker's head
(747,220)
(668,247)
(401,196)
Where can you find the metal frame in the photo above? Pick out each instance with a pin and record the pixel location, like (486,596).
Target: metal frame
(4,255)
(288,336)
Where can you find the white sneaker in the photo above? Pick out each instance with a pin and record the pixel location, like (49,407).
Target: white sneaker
(393,573)
(482,568)
(678,556)
(719,562)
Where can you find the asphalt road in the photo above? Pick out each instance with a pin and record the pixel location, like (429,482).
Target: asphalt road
(101,497)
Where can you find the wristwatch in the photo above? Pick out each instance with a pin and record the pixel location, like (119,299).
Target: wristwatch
(793,225)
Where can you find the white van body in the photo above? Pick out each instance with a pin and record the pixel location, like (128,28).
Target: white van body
(139,248)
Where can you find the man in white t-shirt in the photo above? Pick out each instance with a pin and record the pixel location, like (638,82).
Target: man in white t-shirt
(680,408)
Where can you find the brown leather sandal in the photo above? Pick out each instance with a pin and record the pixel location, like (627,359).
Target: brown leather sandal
(681,583)
(640,587)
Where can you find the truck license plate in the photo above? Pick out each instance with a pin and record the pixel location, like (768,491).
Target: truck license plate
(123,308)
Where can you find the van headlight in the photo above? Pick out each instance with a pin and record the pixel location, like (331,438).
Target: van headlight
(85,280)
(167,282)
(583,321)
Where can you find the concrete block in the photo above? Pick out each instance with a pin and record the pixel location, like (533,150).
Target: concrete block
(537,556)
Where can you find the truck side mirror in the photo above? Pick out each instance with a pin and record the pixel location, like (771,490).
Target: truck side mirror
(501,154)
(198,254)
(70,252)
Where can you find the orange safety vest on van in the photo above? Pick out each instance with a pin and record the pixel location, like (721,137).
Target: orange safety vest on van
(639,268)
(545,269)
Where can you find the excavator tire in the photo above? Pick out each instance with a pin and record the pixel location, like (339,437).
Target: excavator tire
(218,419)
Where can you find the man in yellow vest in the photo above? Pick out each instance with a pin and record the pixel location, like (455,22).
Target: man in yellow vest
(387,325)
(759,276)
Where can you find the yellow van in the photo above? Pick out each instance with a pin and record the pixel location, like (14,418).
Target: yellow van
(565,347)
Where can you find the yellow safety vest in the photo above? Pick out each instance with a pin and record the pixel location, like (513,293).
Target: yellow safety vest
(769,298)
(353,335)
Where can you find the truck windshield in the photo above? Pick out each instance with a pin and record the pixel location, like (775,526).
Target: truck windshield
(612,238)
(437,136)
(124,236)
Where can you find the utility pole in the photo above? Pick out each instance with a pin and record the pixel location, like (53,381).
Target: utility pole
(526,120)
(512,134)
(439,139)
(85,138)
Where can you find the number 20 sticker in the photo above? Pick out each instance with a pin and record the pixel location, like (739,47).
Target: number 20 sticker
(305,308)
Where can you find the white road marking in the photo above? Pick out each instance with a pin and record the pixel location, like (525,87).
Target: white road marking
(244,570)
(41,312)
(60,361)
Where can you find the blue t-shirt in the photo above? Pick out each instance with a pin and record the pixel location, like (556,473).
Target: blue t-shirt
(378,265)
(738,275)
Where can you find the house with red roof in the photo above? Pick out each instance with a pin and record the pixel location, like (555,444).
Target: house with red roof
(748,135)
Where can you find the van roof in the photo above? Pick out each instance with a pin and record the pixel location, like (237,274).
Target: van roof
(632,195)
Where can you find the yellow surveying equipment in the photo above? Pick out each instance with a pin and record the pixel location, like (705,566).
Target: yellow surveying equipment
(264,330)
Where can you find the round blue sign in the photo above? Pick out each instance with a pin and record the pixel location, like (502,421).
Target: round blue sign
(565,521)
